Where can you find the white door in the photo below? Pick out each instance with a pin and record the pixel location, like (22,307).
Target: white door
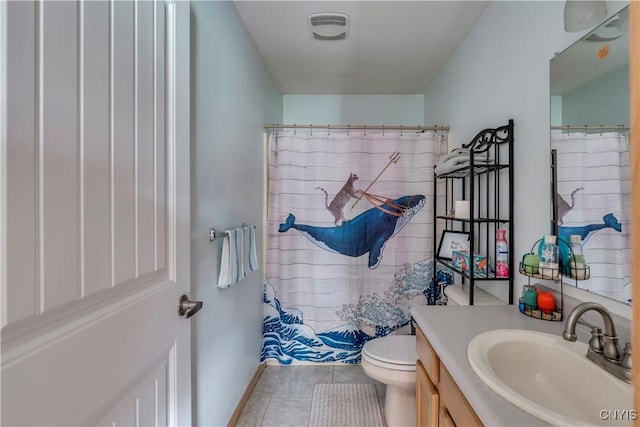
(94,188)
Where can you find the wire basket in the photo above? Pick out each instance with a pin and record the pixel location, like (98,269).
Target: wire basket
(549,273)
(536,313)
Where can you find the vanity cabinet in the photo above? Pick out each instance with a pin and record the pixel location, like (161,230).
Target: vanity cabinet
(427,398)
(482,174)
(439,401)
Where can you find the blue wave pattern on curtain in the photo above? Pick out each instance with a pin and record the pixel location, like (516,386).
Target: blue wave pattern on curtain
(594,181)
(338,275)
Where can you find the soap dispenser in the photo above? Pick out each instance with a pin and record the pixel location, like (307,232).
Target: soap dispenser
(577,262)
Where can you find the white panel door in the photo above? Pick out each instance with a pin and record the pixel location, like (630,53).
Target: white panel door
(94,186)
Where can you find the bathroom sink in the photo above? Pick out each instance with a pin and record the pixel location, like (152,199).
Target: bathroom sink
(550,378)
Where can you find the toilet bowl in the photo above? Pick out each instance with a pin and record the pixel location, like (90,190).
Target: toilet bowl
(391,360)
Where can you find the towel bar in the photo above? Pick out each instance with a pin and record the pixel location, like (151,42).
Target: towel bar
(214,234)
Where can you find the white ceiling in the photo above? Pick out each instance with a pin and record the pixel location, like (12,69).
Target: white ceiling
(393,47)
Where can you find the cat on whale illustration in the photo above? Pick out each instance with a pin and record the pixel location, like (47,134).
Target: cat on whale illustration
(366,233)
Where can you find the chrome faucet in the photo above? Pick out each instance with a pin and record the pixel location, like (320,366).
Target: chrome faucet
(603,348)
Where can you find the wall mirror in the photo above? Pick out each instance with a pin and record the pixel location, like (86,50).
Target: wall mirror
(590,147)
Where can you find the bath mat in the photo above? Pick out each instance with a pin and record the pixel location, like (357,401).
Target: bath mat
(345,405)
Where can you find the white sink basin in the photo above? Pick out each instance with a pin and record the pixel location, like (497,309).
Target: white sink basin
(550,378)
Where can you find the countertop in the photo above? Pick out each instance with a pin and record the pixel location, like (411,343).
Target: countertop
(449,329)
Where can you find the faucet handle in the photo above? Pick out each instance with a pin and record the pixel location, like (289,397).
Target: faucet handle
(611,349)
(626,357)
(596,343)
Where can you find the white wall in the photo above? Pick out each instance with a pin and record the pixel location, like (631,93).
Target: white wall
(598,102)
(232,97)
(501,71)
(354,109)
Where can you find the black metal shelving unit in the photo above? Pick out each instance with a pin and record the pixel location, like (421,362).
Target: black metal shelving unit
(486,181)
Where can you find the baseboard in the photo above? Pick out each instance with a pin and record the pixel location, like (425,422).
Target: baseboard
(247,394)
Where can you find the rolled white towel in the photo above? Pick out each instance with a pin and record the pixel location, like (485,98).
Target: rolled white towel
(456,152)
(458,162)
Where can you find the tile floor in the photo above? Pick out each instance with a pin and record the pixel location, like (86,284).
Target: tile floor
(282,396)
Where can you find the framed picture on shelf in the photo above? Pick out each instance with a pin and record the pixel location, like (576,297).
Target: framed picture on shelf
(452,241)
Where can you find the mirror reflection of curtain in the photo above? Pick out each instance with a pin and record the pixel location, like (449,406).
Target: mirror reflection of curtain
(593,186)
(333,283)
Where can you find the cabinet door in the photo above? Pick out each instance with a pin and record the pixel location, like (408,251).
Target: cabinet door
(426,398)
(454,401)
(428,357)
(445,418)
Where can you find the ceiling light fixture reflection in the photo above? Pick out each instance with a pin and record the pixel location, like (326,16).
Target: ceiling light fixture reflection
(582,14)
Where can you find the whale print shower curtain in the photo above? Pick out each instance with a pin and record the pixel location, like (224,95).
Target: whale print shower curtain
(349,239)
(594,201)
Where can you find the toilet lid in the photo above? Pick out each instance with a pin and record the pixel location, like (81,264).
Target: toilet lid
(395,349)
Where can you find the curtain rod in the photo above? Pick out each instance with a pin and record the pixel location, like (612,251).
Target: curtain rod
(356,127)
(596,127)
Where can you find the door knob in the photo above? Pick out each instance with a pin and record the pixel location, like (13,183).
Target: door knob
(187,308)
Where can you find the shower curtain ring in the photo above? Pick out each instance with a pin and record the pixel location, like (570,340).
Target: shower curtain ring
(311,132)
(329,130)
(401,130)
(382,130)
(348,129)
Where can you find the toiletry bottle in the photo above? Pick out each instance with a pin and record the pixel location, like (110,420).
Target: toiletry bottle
(549,257)
(502,253)
(577,262)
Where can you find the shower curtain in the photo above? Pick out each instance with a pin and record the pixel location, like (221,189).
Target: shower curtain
(349,239)
(594,201)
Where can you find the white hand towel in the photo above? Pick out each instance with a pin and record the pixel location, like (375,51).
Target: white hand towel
(233,256)
(228,263)
(247,250)
(239,232)
(253,257)
(223,276)
(239,256)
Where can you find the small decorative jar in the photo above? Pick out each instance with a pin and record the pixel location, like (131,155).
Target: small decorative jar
(530,296)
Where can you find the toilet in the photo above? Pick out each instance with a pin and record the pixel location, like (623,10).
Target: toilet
(391,360)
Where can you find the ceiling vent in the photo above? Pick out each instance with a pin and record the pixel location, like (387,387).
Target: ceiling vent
(329,26)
